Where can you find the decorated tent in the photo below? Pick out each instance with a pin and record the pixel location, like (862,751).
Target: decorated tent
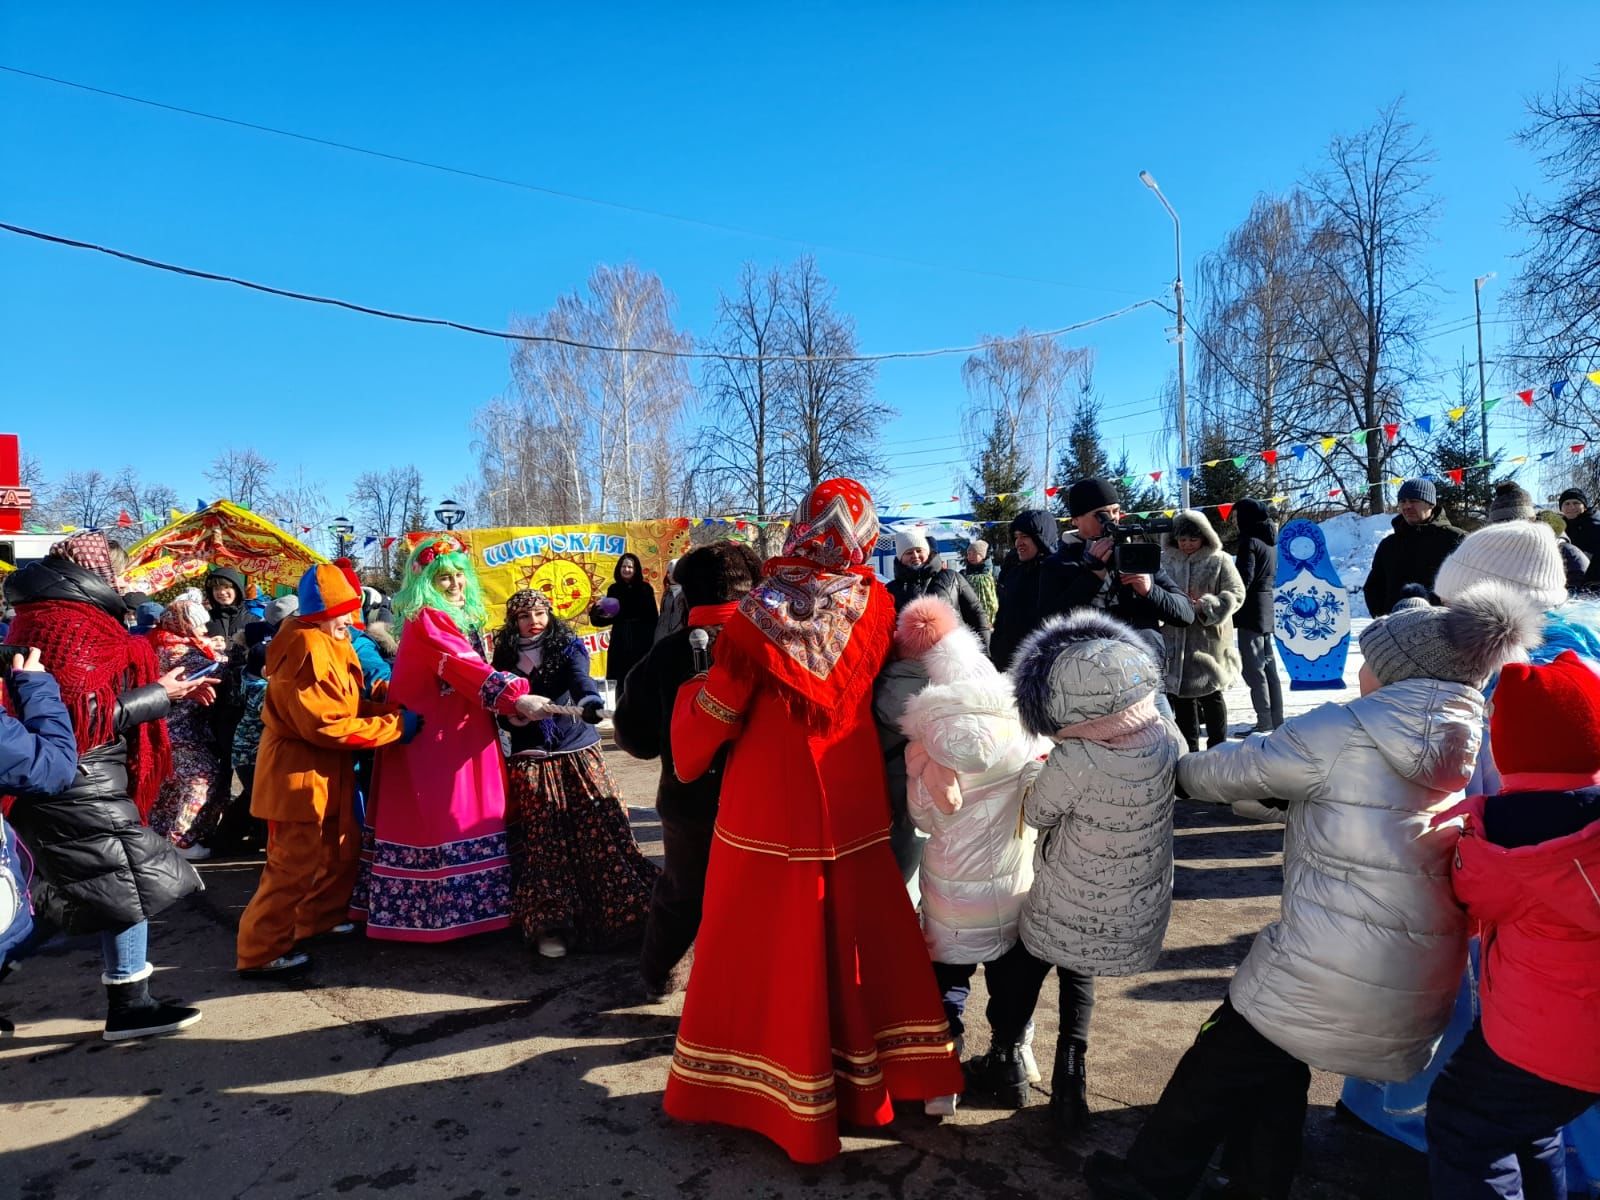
(220,535)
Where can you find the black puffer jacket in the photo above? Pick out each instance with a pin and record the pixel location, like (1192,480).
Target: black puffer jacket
(1084,583)
(1411,554)
(642,725)
(99,867)
(933,578)
(1257,560)
(226,620)
(1028,590)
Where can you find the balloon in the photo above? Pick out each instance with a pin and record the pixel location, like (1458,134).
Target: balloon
(608,607)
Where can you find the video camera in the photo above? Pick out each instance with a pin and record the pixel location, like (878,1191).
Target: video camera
(1135,553)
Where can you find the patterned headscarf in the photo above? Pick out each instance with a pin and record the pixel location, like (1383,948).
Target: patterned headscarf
(184,620)
(525,603)
(89,550)
(835,527)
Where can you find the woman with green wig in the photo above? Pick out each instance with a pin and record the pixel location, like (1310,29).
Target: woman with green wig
(435,867)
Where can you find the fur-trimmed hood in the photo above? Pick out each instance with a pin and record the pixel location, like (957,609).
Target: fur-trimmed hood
(1192,521)
(383,636)
(1083,665)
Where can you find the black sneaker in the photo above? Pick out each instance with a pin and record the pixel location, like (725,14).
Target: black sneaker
(6,1027)
(132,1013)
(1000,1075)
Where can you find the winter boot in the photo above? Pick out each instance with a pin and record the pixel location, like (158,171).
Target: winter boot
(132,1013)
(6,1027)
(999,1075)
(1069,1087)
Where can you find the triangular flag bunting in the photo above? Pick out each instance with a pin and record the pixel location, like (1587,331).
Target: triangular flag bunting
(1279,498)
(1395,481)
(1156,475)
(1391,430)
(1335,491)
(1557,388)
(1425,424)
(1239,460)
(1578,449)
(1594,378)
(1049,491)
(1358,437)
(1129,480)
(1171,512)
(1299,449)
(174,515)
(1185,473)
(199,504)
(1270,457)
(1328,443)
(1223,510)
(1521,458)
(1457,413)
(1526,397)
(1456,474)
(1546,455)
(389,541)
(124,521)
(1483,462)
(1213,462)
(1488,405)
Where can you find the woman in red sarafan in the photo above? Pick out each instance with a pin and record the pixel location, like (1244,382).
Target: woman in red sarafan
(812,1001)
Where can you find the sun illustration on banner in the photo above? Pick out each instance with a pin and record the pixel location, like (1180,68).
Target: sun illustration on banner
(570,585)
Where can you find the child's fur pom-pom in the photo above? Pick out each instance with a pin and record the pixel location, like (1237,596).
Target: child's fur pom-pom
(923,624)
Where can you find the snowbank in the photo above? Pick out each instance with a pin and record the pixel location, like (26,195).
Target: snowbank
(1352,541)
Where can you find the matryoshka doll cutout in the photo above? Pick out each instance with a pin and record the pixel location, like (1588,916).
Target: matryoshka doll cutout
(1311,610)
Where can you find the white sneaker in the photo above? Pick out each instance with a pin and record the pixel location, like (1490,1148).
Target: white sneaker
(941,1106)
(1030,1064)
(551,946)
(194,853)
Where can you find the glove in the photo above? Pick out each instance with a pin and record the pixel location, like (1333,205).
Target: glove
(594,710)
(410,725)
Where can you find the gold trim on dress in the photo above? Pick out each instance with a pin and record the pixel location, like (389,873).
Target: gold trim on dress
(716,709)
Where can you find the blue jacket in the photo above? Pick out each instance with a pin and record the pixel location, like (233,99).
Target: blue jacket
(566,676)
(374,667)
(38,753)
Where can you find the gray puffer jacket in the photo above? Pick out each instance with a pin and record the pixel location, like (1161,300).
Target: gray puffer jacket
(1359,974)
(1102,885)
(1204,657)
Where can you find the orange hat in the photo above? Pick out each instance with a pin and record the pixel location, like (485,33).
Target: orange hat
(325,592)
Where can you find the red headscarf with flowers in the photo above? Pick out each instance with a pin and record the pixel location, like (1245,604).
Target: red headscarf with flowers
(803,622)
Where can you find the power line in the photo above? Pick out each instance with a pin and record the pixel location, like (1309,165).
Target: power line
(512,336)
(557,193)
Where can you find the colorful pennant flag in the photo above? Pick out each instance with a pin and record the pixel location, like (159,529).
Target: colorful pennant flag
(1391,430)
(1223,510)
(1578,449)
(1594,378)
(1457,413)
(1335,491)
(173,515)
(1358,437)
(1328,443)
(1526,397)
(1270,457)
(389,541)
(1156,475)
(1213,462)
(1395,481)
(1239,460)
(1171,512)
(1488,405)
(1521,458)
(1456,474)
(1185,473)
(1299,450)
(1425,424)
(1049,491)
(1557,388)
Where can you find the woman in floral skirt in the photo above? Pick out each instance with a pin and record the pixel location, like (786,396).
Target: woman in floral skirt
(184,811)
(580,879)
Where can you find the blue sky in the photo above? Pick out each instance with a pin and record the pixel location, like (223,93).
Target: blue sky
(1001,138)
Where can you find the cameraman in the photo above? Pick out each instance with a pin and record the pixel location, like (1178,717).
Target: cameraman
(1084,566)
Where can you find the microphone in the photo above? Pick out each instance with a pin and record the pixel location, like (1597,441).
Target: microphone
(700,646)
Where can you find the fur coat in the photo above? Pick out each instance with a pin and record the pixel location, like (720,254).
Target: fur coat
(1203,657)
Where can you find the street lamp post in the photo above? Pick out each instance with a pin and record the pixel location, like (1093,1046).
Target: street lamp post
(1177,293)
(342,530)
(1483,394)
(450,514)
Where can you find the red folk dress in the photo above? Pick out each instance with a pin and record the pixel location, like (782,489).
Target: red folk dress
(812,1001)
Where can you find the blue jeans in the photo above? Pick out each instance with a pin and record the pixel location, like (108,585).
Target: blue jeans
(124,953)
(1494,1130)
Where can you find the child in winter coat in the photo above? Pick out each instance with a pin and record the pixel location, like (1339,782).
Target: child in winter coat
(1527,868)
(314,717)
(188,808)
(1102,887)
(968,762)
(1358,976)
(1202,659)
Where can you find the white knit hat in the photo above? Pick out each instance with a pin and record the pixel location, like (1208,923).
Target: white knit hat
(1520,553)
(911,537)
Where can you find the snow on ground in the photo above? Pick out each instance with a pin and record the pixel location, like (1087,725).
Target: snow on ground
(1352,541)
(1241,712)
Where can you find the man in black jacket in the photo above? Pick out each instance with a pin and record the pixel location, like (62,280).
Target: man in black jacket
(1084,566)
(1257,560)
(1582,529)
(714,579)
(1027,586)
(1422,539)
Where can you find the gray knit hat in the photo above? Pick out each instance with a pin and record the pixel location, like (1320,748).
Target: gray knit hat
(1510,503)
(281,609)
(1485,627)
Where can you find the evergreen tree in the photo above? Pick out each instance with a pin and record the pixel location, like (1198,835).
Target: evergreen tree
(999,472)
(1459,447)
(1225,483)
(1142,494)
(1084,455)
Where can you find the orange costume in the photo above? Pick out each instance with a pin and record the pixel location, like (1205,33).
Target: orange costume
(812,1001)
(314,720)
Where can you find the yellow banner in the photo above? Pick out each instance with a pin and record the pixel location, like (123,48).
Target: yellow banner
(572,564)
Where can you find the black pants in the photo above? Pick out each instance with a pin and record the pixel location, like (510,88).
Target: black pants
(1014,980)
(1190,711)
(1234,1088)
(1494,1130)
(676,900)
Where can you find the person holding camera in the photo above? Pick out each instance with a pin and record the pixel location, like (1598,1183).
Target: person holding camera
(1087,563)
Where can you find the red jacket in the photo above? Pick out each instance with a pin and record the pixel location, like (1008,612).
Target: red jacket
(1539,907)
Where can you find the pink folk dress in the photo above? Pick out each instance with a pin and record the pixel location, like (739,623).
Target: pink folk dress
(434,865)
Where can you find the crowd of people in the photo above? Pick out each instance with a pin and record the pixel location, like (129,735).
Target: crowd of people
(870,793)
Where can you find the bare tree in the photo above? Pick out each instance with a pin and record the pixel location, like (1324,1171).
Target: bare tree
(148,505)
(32,476)
(1558,291)
(300,507)
(1359,322)
(1016,419)
(243,476)
(832,413)
(385,504)
(87,499)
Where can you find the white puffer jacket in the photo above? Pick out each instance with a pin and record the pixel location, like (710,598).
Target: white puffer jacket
(1359,974)
(1102,889)
(977,864)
